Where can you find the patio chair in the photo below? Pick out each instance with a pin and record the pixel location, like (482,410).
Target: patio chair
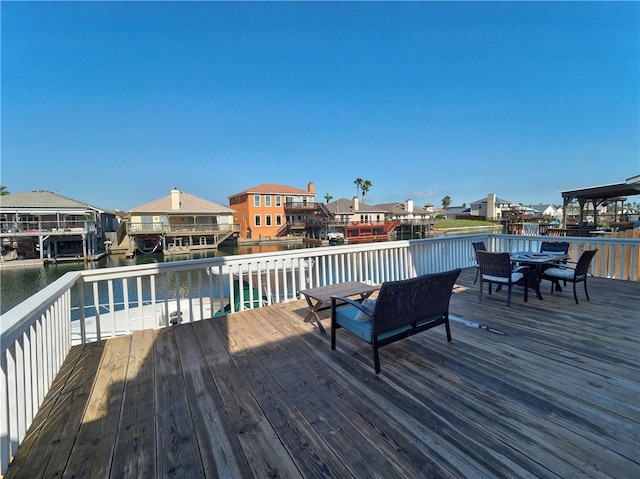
(497,268)
(554,247)
(572,275)
(479,246)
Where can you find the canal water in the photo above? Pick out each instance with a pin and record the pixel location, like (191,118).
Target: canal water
(19,283)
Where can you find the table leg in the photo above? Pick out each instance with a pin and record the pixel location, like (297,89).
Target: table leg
(313,313)
(364,296)
(533,281)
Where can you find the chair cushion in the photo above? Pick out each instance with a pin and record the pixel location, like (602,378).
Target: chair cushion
(369,304)
(561,273)
(346,317)
(515,277)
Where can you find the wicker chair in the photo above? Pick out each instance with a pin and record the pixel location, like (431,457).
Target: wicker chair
(554,247)
(572,275)
(401,309)
(496,268)
(479,246)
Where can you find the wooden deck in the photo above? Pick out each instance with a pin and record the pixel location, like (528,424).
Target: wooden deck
(260,394)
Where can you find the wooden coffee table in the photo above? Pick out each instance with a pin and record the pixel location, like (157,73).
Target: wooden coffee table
(317,297)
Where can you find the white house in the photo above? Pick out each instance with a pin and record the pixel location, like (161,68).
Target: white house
(491,207)
(547,210)
(407,211)
(179,222)
(42,224)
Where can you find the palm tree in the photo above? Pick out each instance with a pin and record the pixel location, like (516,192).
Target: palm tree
(358,183)
(446,201)
(365,186)
(327,197)
(3,190)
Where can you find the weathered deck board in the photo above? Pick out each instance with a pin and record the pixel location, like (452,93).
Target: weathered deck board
(97,432)
(135,452)
(261,394)
(50,439)
(306,449)
(178,451)
(321,399)
(249,435)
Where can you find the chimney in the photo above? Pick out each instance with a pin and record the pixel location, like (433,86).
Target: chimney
(408,206)
(356,204)
(311,188)
(491,206)
(175,199)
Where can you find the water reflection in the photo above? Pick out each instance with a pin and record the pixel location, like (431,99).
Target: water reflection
(17,284)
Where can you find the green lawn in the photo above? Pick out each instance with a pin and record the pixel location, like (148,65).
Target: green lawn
(444,224)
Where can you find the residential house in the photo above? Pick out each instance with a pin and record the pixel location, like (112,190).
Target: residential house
(415,221)
(491,208)
(270,210)
(361,222)
(179,223)
(452,212)
(352,211)
(546,210)
(45,225)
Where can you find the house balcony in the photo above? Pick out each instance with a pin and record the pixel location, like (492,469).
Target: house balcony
(546,389)
(300,206)
(147,228)
(36,228)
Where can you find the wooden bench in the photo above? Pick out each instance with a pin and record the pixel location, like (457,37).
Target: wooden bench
(402,309)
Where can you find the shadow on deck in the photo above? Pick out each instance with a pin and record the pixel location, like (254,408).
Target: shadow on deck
(260,394)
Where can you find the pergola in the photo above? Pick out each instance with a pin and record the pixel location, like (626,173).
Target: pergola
(599,195)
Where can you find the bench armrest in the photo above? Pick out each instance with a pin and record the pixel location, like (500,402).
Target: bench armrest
(358,305)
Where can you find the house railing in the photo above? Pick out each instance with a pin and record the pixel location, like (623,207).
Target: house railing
(37,335)
(30,228)
(137,227)
(202,228)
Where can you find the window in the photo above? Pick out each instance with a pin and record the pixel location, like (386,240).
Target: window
(278,220)
(267,200)
(278,200)
(257,220)
(256,200)
(267,220)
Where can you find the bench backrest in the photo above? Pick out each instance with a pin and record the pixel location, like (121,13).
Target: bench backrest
(407,301)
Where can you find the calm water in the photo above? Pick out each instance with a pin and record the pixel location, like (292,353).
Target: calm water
(17,284)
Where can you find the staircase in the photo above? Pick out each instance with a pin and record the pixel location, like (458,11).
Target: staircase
(322,208)
(282,231)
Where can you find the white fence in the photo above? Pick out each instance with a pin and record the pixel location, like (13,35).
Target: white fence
(37,335)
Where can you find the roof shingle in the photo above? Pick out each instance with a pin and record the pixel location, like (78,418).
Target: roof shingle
(188,204)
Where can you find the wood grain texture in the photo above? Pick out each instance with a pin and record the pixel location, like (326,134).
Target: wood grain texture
(260,394)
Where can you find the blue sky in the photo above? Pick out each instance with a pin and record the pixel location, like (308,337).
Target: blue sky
(116,103)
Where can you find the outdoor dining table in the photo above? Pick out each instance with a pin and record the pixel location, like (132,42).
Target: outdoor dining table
(536,261)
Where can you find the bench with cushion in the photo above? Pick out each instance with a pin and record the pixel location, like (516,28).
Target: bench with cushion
(402,309)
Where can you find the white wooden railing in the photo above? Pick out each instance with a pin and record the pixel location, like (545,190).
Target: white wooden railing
(37,335)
